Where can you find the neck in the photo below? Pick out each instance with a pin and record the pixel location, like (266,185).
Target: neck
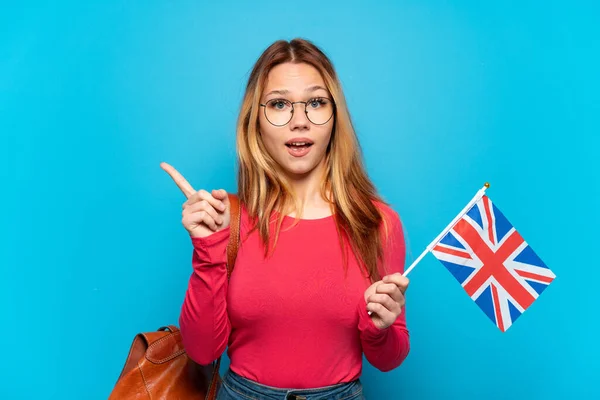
(307,189)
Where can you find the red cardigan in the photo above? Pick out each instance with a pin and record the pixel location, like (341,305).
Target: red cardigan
(296,319)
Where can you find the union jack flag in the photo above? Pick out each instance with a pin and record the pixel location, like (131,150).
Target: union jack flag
(493,263)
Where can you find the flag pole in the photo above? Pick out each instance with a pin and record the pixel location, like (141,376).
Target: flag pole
(474,200)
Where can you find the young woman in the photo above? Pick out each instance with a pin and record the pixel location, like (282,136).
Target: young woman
(317,281)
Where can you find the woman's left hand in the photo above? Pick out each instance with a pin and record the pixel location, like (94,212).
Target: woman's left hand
(385,299)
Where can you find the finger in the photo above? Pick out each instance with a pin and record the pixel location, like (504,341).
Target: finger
(203,205)
(398,279)
(374,286)
(180,181)
(203,195)
(221,195)
(386,301)
(196,197)
(386,315)
(372,289)
(392,290)
(200,217)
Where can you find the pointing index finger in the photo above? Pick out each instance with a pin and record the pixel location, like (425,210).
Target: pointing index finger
(179,180)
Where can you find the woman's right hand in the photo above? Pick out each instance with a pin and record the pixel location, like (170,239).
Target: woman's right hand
(203,213)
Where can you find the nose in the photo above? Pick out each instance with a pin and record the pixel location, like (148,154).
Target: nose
(299,119)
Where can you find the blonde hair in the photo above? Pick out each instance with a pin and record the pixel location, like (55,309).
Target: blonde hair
(263,187)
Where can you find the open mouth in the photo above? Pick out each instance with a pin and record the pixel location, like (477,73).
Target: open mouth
(299,145)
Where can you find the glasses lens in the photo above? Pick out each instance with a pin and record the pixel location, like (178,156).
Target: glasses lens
(319,110)
(278,111)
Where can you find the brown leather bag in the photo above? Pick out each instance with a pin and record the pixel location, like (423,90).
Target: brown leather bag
(158,367)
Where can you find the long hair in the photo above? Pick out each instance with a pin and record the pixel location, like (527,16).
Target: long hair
(263,188)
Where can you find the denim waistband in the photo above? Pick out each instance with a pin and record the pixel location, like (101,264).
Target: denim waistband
(246,389)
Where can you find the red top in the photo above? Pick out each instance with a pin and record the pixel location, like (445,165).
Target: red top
(296,319)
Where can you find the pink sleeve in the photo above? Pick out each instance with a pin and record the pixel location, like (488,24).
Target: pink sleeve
(386,349)
(203,322)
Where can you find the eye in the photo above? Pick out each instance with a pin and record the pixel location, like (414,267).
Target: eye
(279,104)
(317,102)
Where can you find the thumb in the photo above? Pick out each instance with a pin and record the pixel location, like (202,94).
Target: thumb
(222,195)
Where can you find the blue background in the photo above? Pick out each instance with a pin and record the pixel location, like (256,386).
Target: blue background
(445,96)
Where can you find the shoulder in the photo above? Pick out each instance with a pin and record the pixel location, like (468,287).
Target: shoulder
(391,226)
(245,221)
(389,215)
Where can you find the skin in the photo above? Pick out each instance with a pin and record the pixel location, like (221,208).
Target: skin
(298,82)
(207,212)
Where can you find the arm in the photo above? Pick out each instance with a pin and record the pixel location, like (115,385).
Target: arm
(204,323)
(387,348)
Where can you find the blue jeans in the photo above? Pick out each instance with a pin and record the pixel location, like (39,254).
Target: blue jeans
(235,387)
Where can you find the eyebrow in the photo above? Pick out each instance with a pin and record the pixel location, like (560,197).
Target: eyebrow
(314,88)
(282,92)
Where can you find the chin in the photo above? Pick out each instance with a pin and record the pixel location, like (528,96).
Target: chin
(299,171)
(301,168)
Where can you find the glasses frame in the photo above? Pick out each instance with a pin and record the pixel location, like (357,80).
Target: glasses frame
(305,110)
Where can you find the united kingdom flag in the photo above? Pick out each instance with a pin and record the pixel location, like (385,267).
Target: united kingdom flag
(493,263)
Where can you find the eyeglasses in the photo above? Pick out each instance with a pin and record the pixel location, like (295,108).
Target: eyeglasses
(279,112)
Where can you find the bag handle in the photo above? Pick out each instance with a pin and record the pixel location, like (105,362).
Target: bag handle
(232,249)
(234,236)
